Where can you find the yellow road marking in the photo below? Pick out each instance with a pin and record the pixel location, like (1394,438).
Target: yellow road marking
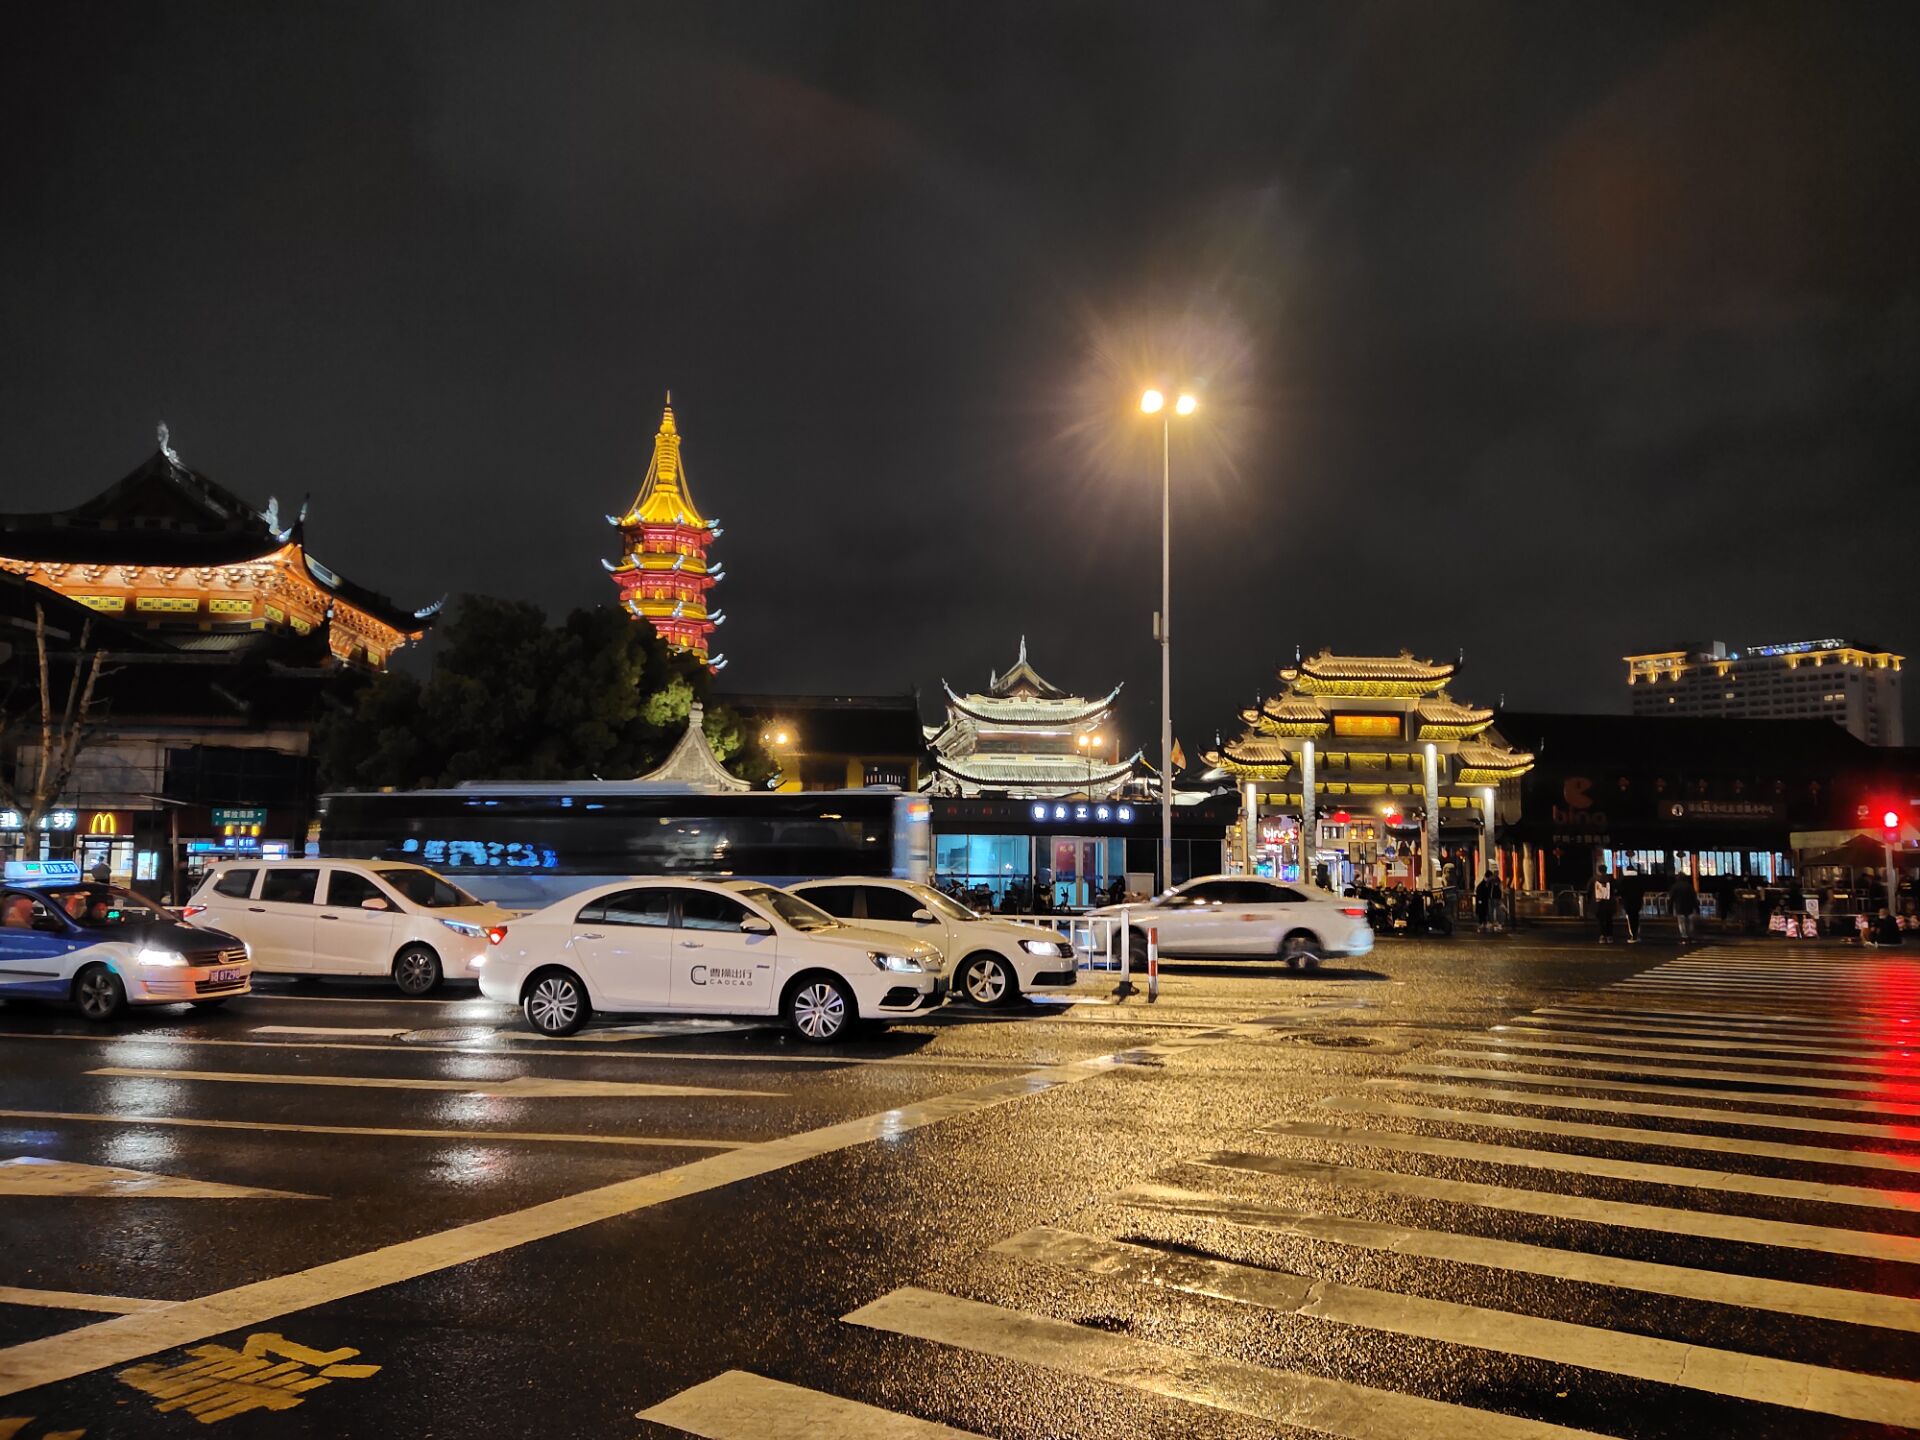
(465,1136)
(32,1175)
(519,1087)
(74,1300)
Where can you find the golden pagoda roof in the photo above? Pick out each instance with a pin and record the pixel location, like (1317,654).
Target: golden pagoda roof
(1330,674)
(664,498)
(1289,714)
(1256,757)
(1482,763)
(1441,717)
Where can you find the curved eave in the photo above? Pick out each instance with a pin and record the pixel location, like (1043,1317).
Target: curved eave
(1292,729)
(1454,732)
(1072,772)
(1481,775)
(971,707)
(1244,770)
(1371,689)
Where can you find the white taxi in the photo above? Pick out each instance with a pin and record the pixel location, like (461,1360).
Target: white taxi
(1252,917)
(990,961)
(102,948)
(706,947)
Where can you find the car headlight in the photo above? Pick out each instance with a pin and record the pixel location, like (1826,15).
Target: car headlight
(1051,948)
(151,955)
(461,927)
(884,961)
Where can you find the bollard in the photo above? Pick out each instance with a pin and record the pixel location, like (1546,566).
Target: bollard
(1125,987)
(1153,964)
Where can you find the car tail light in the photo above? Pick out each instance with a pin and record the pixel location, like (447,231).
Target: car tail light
(496,933)
(1358,912)
(187,912)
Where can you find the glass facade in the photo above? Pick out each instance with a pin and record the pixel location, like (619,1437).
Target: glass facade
(1707,864)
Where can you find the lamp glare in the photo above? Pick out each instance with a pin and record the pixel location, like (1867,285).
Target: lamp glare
(1185,405)
(1152,402)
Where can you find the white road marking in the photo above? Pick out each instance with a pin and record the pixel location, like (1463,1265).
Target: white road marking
(1685,1177)
(1696,1040)
(340,1032)
(1767,1020)
(1625,1214)
(519,1087)
(736,1405)
(134,1337)
(1862,1070)
(1276,1397)
(33,1175)
(1907,1165)
(1818,1389)
(1788,1297)
(304,998)
(1749,1097)
(72,1300)
(1781,1085)
(465,1137)
(1766,1120)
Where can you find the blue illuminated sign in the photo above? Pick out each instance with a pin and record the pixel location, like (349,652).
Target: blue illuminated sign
(1041,811)
(42,872)
(481,854)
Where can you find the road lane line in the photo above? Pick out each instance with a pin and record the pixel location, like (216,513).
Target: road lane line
(67,1179)
(1750,1097)
(340,1031)
(737,1405)
(1905,1202)
(34,1363)
(73,1300)
(1732,1017)
(464,1136)
(1696,1040)
(1753,1292)
(1906,1165)
(1554,1205)
(1766,1120)
(1864,1084)
(1864,1069)
(518,1087)
(1818,1389)
(1277,1397)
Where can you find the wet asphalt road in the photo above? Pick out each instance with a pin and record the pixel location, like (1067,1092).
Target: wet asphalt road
(1516,1187)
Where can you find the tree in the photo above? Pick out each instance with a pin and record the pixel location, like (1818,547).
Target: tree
(512,697)
(37,776)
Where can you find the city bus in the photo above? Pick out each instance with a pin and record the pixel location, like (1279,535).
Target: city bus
(527,844)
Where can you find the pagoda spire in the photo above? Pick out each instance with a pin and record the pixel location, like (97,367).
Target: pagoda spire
(663,573)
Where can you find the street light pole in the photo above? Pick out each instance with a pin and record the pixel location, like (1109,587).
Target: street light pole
(1154,403)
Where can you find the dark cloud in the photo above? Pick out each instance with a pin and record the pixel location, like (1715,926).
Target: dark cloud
(1538,329)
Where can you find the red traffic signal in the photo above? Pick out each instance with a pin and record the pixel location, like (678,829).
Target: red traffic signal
(1890,820)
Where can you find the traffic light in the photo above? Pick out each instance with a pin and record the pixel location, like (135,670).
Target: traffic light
(1890,821)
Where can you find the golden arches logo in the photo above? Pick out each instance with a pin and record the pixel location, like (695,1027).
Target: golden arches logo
(103,822)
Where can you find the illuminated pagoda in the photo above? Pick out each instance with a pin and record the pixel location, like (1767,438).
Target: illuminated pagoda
(663,573)
(1379,742)
(1025,738)
(169,552)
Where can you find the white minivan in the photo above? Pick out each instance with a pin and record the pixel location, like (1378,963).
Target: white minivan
(349,917)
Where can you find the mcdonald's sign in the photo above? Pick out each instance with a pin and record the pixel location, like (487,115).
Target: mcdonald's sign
(109,822)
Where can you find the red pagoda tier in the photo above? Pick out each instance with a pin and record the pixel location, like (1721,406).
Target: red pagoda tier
(663,573)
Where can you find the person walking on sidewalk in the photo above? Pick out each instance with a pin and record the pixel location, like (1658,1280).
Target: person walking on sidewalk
(1486,901)
(1633,895)
(1603,904)
(1684,901)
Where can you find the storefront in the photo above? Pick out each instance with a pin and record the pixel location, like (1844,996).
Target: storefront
(1023,855)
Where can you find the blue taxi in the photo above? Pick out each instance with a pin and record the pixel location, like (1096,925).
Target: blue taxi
(63,937)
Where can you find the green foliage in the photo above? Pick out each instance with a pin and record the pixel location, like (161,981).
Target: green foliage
(514,698)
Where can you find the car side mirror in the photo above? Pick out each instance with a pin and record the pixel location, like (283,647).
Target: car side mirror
(923,917)
(754,925)
(374,902)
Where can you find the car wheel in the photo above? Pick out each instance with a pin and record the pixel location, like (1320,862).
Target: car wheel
(820,1009)
(988,980)
(1137,947)
(210,1004)
(1299,949)
(99,993)
(416,970)
(556,1003)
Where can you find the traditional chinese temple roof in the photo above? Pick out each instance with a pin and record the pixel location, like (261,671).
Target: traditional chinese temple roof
(692,762)
(1440,717)
(1035,774)
(1330,674)
(1255,756)
(664,498)
(1289,714)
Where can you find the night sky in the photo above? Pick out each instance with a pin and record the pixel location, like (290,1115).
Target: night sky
(1544,331)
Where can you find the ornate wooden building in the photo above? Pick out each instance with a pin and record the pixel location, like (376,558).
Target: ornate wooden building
(1023,737)
(167,550)
(1378,741)
(663,572)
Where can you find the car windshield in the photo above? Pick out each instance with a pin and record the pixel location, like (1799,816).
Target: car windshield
(944,905)
(423,887)
(98,906)
(800,914)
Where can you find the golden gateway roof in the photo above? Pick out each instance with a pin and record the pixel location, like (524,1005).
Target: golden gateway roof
(1330,674)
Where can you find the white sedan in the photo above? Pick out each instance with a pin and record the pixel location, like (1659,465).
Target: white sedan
(1249,916)
(990,961)
(706,947)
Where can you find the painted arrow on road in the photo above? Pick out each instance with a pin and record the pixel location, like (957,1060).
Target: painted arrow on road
(32,1175)
(520,1087)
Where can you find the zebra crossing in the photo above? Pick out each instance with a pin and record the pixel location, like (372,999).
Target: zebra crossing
(1628,1213)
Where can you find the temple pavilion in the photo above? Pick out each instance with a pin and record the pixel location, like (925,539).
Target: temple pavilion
(1025,738)
(177,557)
(1366,747)
(663,573)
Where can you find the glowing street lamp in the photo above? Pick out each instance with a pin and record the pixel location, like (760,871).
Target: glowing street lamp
(1152,402)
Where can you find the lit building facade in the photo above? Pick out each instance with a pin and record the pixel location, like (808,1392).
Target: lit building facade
(1377,762)
(664,573)
(1024,738)
(1855,685)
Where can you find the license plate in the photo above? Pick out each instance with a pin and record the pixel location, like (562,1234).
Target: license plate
(224,977)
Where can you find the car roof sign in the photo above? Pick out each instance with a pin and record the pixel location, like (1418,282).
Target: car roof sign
(42,872)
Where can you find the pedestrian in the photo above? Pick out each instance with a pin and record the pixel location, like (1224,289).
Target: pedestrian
(1603,903)
(1633,894)
(102,873)
(1486,901)
(1684,901)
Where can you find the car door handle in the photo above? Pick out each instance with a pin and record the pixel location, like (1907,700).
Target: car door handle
(257,909)
(692,944)
(590,937)
(329,917)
